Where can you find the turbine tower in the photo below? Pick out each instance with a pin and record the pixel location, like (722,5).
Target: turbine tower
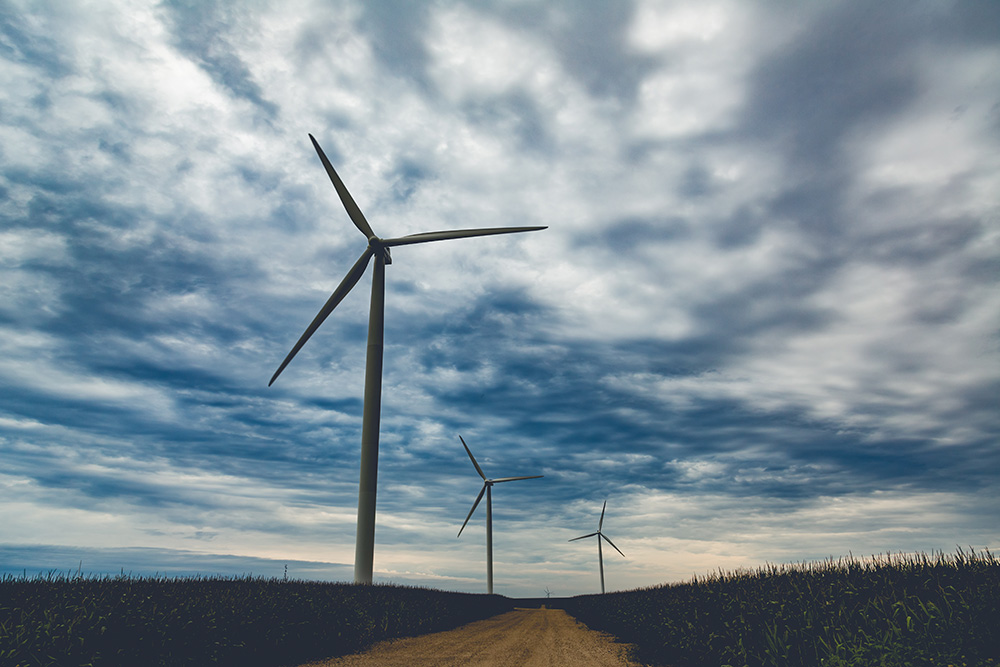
(379,249)
(488,490)
(600,553)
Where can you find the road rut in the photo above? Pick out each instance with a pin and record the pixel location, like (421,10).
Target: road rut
(521,638)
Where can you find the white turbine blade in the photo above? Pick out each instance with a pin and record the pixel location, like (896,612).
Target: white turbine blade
(511,479)
(581,537)
(357,217)
(601,522)
(474,506)
(345,286)
(424,237)
(612,544)
(478,469)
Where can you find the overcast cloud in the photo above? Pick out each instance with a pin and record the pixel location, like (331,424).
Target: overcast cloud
(762,323)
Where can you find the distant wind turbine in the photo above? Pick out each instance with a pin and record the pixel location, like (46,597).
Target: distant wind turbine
(600,553)
(487,489)
(379,249)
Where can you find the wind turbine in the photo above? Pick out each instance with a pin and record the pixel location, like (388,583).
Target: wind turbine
(488,490)
(600,553)
(378,248)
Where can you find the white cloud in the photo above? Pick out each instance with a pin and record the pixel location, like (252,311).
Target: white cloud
(476,56)
(934,148)
(698,86)
(32,361)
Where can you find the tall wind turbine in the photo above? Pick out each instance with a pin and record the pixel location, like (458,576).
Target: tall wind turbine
(488,490)
(600,553)
(379,249)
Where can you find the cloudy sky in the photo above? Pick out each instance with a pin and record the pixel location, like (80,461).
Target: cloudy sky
(762,322)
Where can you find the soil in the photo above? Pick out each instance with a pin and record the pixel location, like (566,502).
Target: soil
(520,638)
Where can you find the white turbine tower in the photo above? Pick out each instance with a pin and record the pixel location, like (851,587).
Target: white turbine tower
(379,249)
(600,552)
(488,490)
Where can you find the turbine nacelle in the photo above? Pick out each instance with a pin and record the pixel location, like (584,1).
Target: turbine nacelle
(377,247)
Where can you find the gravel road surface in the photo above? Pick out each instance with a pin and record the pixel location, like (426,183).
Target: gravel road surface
(521,638)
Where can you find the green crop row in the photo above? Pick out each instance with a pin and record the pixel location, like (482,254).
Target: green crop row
(887,611)
(78,621)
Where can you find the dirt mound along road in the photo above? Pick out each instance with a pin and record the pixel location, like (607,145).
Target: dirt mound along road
(521,638)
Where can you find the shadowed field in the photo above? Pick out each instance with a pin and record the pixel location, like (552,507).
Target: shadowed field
(892,611)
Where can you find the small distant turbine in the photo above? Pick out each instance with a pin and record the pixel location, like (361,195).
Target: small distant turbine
(600,553)
(487,489)
(378,248)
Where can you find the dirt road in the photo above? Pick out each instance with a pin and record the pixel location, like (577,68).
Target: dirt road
(521,638)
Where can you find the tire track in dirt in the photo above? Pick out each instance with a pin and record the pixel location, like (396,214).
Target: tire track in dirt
(521,638)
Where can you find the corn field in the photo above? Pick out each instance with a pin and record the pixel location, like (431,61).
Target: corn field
(887,611)
(72,621)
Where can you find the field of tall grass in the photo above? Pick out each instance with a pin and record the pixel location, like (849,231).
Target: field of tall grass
(887,611)
(65,620)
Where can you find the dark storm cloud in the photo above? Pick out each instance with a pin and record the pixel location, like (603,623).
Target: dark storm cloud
(949,237)
(551,392)
(111,288)
(26,44)
(592,45)
(512,114)
(626,236)
(109,292)
(842,72)
(728,323)
(406,178)
(200,29)
(591,42)
(841,76)
(398,31)
(741,229)
(850,72)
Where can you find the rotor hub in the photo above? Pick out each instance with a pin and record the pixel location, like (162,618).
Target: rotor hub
(378,248)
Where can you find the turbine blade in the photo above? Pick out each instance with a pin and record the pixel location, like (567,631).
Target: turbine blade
(581,537)
(357,217)
(511,479)
(478,469)
(424,237)
(474,506)
(600,524)
(349,281)
(612,544)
